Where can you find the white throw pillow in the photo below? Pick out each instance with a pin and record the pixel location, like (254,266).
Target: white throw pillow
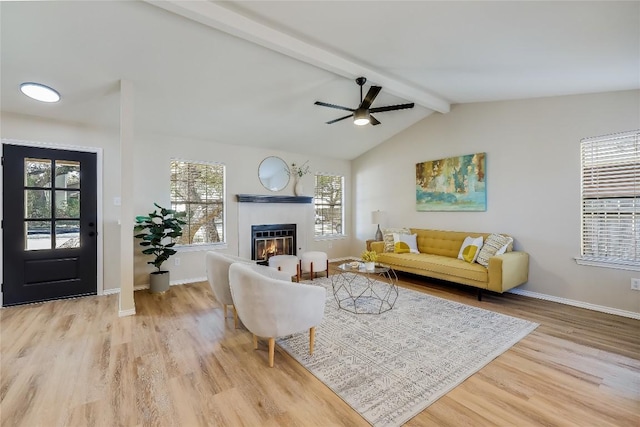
(409,239)
(470,249)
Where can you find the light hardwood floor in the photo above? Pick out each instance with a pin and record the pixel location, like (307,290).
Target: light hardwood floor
(178,362)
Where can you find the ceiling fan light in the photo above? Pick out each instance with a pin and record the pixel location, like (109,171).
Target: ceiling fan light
(40,92)
(361,117)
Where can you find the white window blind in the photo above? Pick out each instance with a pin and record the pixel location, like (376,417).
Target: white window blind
(610,199)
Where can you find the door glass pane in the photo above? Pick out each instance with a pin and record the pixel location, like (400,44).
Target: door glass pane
(67,204)
(67,234)
(37,173)
(37,204)
(67,174)
(38,235)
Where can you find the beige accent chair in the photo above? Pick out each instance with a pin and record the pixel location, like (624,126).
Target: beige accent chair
(217,266)
(272,307)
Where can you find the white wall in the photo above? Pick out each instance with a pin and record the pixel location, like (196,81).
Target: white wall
(152,156)
(151,184)
(533,183)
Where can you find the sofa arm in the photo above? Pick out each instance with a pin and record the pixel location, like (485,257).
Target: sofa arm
(508,270)
(377,247)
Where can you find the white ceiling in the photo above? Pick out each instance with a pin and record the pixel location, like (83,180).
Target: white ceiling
(248,73)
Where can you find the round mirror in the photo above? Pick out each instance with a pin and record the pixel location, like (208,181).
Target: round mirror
(273,173)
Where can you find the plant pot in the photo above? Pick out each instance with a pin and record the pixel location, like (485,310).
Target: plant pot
(159,282)
(369,266)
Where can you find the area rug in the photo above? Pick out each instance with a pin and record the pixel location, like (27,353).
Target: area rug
(391,366)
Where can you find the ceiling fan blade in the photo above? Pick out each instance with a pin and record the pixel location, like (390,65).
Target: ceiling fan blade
(371,95)
(373,120)
(339,107)
(391,108)
(341,118)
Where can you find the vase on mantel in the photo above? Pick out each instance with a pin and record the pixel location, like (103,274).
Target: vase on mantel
(297,188)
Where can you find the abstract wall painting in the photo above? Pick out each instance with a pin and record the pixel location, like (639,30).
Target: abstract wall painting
(452,184)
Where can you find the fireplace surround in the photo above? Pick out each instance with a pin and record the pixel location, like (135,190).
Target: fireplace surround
(274,209)
(268,240)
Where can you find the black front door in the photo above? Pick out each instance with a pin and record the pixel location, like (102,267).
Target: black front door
(49,224)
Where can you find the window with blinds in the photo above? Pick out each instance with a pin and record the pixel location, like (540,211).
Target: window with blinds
(610,200)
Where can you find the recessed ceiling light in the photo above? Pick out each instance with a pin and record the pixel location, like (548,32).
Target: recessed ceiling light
(40,92)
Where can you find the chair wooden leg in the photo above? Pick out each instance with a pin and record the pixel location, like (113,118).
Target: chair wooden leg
(272,347)
(298,273)
(235,317)
(311,274)
(312,339)
(225,310)
(255,342)
(327,268)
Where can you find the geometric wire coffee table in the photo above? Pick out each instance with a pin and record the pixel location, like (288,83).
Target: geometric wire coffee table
(363,291)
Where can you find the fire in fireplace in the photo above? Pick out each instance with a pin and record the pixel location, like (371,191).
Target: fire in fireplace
(268,240)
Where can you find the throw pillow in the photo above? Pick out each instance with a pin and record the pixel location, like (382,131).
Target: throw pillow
(470,248)
(401,248)
(506,248)
(387,237)
(470,253)
(403,241)
(491,246)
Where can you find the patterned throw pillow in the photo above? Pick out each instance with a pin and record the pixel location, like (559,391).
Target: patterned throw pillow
(405,241)
(492,245)
(387,237)
(470,249)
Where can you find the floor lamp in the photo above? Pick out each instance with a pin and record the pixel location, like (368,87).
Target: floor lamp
(376,218)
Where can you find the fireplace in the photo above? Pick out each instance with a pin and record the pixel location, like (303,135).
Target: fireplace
(268,240)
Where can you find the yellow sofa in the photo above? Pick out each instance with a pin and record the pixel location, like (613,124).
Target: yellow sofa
(438,258)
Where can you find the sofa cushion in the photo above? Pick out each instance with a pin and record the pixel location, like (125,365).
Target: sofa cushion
(438,264)
(491,246)
(470,248)
(387,237)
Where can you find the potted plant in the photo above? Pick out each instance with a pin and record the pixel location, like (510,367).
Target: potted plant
(369,258)
(157,231)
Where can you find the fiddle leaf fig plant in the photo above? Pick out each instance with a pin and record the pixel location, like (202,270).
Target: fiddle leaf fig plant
(157,231)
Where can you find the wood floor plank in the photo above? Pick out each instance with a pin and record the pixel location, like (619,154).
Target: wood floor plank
(179,361)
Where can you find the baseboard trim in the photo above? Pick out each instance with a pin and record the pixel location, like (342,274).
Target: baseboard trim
(172,283)
(111,291)
(124,313)
(574,303)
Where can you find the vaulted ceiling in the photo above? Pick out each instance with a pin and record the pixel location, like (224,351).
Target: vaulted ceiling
(248,73)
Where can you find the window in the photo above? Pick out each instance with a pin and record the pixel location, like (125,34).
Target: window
(198,189)
(329,215)
(610,200)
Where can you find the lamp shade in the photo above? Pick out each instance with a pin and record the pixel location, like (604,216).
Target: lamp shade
(377,217)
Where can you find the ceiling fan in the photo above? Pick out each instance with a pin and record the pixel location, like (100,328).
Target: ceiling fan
(362,114)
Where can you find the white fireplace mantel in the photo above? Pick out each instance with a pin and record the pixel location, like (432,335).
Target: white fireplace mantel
(274,210)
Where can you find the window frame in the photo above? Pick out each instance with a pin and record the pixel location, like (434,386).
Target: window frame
(205,245)
(603,185)
(332,236)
